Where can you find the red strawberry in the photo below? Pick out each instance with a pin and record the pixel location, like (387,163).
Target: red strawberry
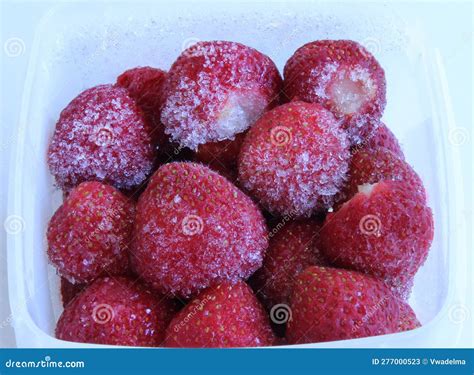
(381,137)
(408,319)
(222,156)
(216,90)
(385,230)
(226,315)
(90,233)
(294,159)
(380,164)
(342,76)
(145,85)
(101,135)
(194,228)
(115,311)
(329,304)
(292,249)
(69,290)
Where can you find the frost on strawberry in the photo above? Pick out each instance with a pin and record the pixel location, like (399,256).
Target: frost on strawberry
(193,228)
(216,90)
(90,233)
(385,230)
(380,164)
(101,135)
(294,159)
(115,311)
(342,76)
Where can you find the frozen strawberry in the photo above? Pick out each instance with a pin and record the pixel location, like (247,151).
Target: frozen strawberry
(145,85)
(69,290)
(294,159)
(226,315)
(222,156)
(402,287)
(216,90)
(101,135)
(115,311)
(329,304)
(291,249)
(408,319)
(382,137)
(385,230)
(380,164)
(342,76)
(90,233)
(194,228)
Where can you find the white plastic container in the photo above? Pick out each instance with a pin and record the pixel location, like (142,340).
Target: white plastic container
(79,46)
